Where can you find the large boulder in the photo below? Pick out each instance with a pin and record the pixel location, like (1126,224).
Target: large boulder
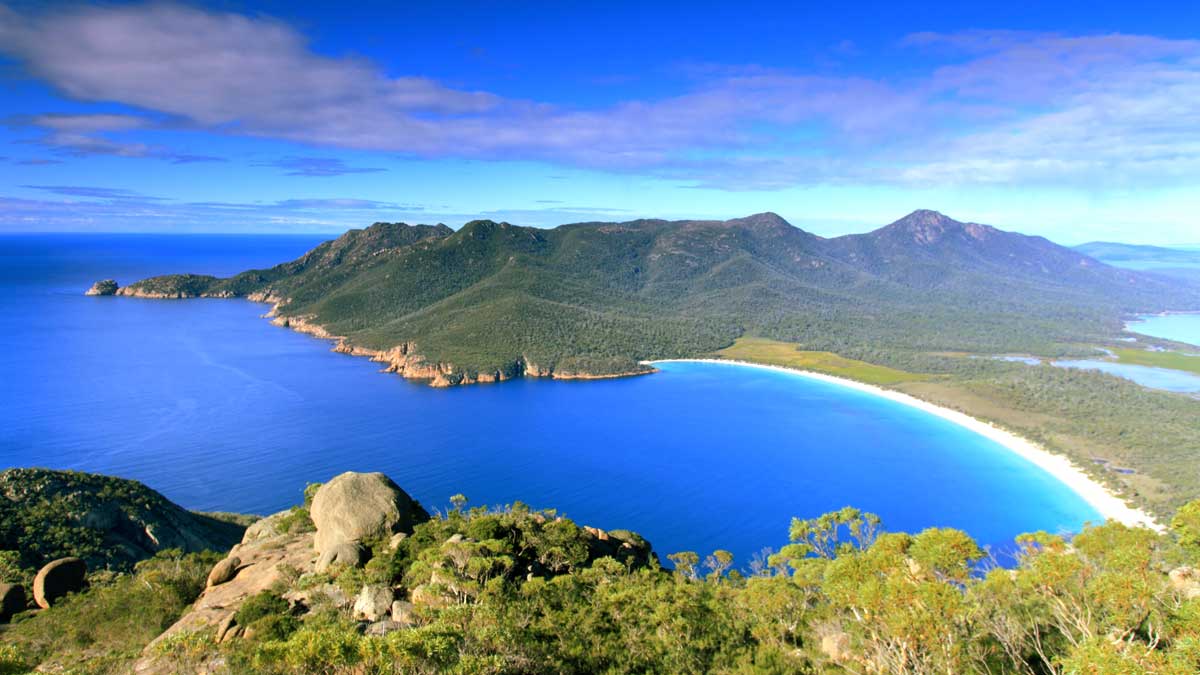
(12,600)
(223,571)
(357,506)
(58,578)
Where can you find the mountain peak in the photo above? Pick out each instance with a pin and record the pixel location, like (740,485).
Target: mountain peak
(925,226)
(764,220)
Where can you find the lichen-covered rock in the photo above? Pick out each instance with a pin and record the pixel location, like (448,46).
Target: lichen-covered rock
(348,554)
(12,600)
(374,602)
(223,571)
(357,506)
(104,287)
(58,578)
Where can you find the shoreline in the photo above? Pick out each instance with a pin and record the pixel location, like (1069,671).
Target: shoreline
(1105,501)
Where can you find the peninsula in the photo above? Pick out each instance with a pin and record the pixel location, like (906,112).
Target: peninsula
(916,306)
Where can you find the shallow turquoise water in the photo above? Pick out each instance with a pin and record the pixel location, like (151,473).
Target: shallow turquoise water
(1178,327)
(219,410)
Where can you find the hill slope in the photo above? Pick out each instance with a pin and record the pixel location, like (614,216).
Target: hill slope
(494,300)
(109,522)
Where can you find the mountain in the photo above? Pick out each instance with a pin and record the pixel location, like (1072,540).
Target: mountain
(494,300)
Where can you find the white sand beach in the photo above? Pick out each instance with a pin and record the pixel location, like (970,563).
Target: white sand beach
(1104,500)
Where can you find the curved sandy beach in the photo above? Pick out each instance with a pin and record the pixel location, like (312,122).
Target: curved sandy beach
(1104,500)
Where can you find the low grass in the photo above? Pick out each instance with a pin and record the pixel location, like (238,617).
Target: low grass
(1171,360)
(776,353)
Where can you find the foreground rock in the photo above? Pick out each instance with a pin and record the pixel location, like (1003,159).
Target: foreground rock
(57,579)
(354,507)
(105,287)
(265,563)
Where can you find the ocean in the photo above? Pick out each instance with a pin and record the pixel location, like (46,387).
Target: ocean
(208,403)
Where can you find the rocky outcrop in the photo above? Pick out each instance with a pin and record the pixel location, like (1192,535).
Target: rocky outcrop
(57,579)
(406,361)
(354,507)
(104,287)
(266,563)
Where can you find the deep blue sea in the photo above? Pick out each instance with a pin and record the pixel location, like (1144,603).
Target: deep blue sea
(216,408)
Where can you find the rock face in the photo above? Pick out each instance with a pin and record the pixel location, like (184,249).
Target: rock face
(357,506)
(12,600)
(63,576)
(105,287)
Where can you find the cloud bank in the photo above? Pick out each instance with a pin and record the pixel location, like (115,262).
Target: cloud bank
(998,108)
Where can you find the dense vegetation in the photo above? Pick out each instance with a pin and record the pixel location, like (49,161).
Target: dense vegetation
(105,629)
(111,523)
(523,591)
(602,296)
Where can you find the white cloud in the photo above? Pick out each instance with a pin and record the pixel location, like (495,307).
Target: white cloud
(1002,108)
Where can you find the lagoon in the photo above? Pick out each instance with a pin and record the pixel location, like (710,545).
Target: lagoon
(219,410)
(1148,376)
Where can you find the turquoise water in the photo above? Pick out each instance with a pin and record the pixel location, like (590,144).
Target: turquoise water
(1177,327)
(219,410)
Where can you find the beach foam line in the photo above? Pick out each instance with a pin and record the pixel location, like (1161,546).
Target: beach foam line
(1106,502)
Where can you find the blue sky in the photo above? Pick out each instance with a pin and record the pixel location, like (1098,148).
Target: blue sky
(301,117)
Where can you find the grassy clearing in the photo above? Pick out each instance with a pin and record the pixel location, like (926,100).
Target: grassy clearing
(776,353)
(1172,360)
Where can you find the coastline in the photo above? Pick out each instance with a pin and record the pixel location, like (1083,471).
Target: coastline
(1106,502)
(404,359)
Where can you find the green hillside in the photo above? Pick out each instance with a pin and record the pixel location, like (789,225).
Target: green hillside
(599,297)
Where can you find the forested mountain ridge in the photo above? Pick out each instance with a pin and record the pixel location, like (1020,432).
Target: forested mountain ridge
(494,300)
